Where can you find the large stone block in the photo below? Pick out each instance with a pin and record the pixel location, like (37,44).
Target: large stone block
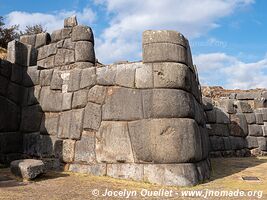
(66,101)
(185,174)
(227,105)
(56,36)
(162,140)
(126,171)
(96,169)
(92,116)
(113,143)
(221,116)
(238,125)
(243,107)
(207,103)
(42,39)
(50,100)
(31,118)
(68,150)
(97,94)
(219,129)
(31,77)
(70,124)
(18,73)
(144,76)
(88,77)
(82,33)
(164,52)
(11,142)
(49,124)
(252,142)
(125,75)
(174,37)
(251,118)
(17,53)
(237,143)
(28,39)
(165,103)
(79,99)
(172,75)
(46,77)
(106,75)
(70,22)
(248,95)
(262,142)
(56,80)
(74,80)
(211,116)
(27,169)
(122,104)
(255,130)
(84,52)
(47,63)
(217,143)
(68,44)
(85,148)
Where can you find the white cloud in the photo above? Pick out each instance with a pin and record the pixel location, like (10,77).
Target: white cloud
(230,72)
(50,21)
(130,18)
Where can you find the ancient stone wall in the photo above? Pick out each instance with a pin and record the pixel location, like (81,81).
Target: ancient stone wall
(142,121)
(237,124)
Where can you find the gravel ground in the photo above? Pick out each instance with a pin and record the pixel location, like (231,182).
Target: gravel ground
(226,175)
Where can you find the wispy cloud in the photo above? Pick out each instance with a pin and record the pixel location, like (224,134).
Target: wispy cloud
(230,72)
(51,21)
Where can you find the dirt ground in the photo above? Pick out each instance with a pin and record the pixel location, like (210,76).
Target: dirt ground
(226,176)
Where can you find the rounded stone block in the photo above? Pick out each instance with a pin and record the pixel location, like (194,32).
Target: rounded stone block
(84,52)
(163,140)
(82,33)
(164,52)
(174,37)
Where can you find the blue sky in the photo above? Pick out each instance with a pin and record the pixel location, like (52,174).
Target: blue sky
(228,37)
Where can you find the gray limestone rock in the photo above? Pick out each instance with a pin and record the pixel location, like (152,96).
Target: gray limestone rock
(92,116)
(70,22)
(84,52)
(82,33)
(28,168)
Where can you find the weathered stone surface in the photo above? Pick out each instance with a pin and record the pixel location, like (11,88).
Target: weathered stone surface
(207,103)
(28,39)
(49,124)
(31,77)
(17,53)
(50,100)
(162,140)
(252,142)
(211,116)
(97,94)
(219,129)
(164,52)
(47,62)
(243,107)
(92,116)
(45,77)
(66,101)
(70,124)
(255,130)
(221,116)
(167,36)
(260,103)
(217,143)
(10,142)
(185,174)
(259,118)
(82,33)
(79,99)
(42,39)
(248,95)
(32,114)
(251,118)
(125,75)
(56,81)
(70,21)
(28,168)
(227,143)
(238,125)
(84,52)
(68,44)
(106,75)
(262,142)
(64,57)
(227,105)
(68,150)
(56,36)
(122,104)
(88,77)
(113,143)
(161,103)
(144,76)
(47,51)
(74,80)
(85,148)
(126,171)
(172,75)
(237,143)
(95,169)
(66,33)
